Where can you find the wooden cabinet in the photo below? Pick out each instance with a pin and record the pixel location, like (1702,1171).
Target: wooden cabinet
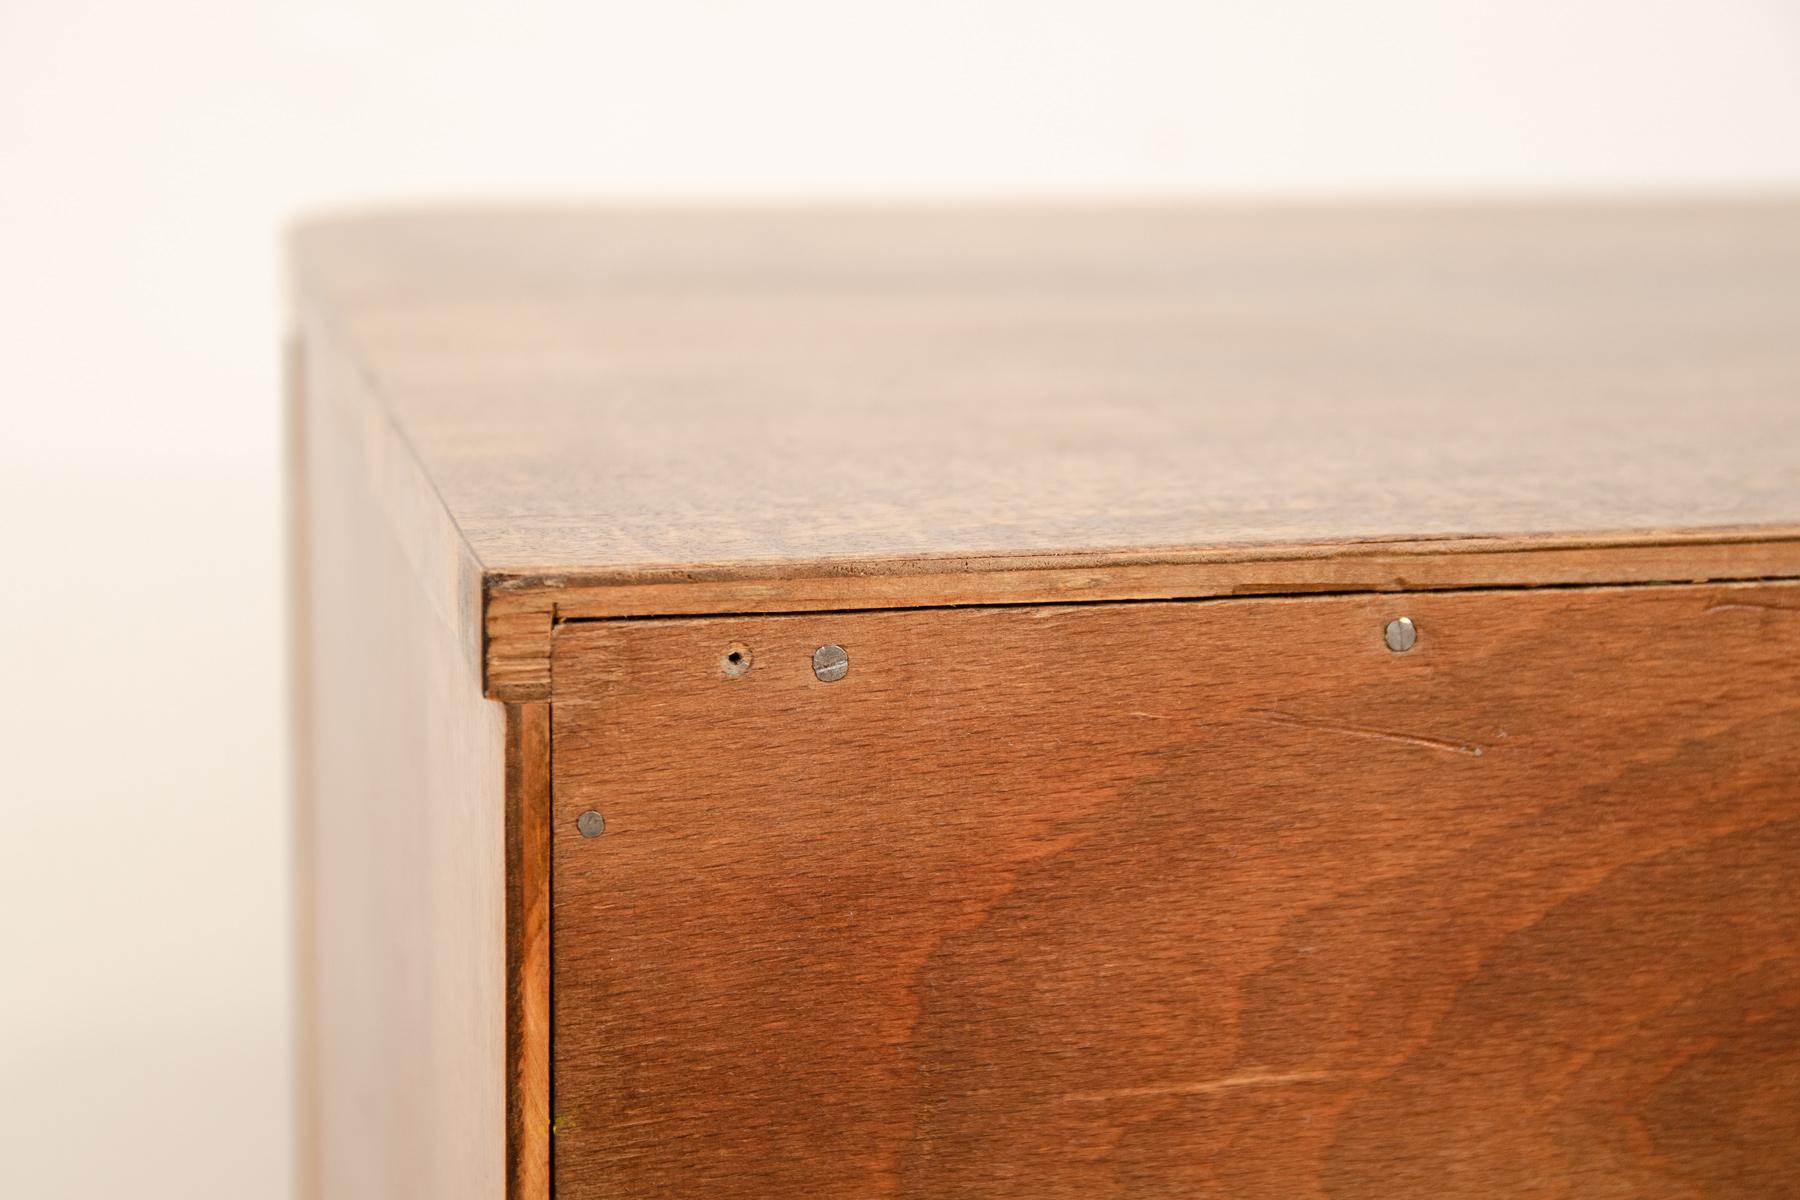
(1039,703)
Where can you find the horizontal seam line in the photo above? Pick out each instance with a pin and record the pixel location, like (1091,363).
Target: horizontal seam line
(559,619)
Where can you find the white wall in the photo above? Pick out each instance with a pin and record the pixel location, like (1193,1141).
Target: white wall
(149,155)
(153,150)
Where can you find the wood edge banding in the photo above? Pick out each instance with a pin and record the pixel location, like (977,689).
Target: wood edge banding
(528,1113)
(523,609)
(516,646)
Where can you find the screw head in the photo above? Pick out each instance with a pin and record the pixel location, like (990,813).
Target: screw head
(1401,635)
(591,824)
(830,663)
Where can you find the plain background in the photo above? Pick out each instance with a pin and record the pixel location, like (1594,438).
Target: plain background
(150,156)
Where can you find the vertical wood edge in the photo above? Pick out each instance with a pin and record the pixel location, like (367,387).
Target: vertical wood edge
(303,1051)
(528,1112)
(516,652)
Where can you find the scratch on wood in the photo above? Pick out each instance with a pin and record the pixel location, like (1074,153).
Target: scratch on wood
(1203,1086)
(1410,739)
(1751,606)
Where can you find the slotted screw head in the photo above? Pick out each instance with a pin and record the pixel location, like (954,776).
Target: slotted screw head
(591,824)
(830,663)
(1401,635)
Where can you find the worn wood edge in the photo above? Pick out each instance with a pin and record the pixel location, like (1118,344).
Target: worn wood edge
(528,1110)
(522,611)
(994,569)
(516,653)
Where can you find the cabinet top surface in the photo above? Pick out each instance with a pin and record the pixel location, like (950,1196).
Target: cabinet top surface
(601,393)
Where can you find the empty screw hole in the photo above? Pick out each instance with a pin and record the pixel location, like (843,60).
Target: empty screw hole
(736,660)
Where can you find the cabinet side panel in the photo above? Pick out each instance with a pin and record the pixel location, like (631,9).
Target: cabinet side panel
(1176,900)
(401,834)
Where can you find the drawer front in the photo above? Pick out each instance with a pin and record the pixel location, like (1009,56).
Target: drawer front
(1221,897)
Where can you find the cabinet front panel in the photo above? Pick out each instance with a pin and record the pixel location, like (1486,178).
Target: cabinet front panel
(1182,899)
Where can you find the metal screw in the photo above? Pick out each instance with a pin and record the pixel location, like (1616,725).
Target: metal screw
(830,663)
(1401,635)
(591,824)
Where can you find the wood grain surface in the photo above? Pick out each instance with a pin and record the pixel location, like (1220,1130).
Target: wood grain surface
(1181,899)
(420,834)
(599,392)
